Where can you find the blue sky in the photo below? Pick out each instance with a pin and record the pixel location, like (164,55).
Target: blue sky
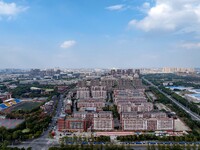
(99,33)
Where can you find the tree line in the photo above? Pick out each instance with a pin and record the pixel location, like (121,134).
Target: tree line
(194,125)
(33,126)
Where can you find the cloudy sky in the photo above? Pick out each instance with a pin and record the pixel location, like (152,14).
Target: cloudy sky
(99,33)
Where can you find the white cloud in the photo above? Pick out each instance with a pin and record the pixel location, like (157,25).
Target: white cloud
(68,44)
(10,9)
(116,7)
(170,15)
(190,45)
(146,5)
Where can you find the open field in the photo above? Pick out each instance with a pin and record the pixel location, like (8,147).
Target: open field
(181,126)
(26,106)
(163,107)
(10,123)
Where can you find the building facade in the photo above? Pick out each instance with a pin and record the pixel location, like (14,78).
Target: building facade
(103,121)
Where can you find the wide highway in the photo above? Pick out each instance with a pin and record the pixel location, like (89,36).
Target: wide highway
(191,113)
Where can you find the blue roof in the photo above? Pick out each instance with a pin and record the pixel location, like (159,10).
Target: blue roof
(17,100)
(196,95)
(3,106)
(177,87)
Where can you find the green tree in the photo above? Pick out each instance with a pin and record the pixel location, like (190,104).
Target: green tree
(148,147)
(4,145)
(188,147)
(198,147)
(75,138)
(194,147)
(153,147)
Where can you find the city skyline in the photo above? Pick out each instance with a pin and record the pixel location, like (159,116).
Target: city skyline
(100,34)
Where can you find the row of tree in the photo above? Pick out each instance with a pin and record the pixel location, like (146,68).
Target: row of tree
(192,106)
(75,138)
(173,147)
(90,147)
(150,137)
(113,109)
(33,126)
(194,125)
(22,90)
(4,146)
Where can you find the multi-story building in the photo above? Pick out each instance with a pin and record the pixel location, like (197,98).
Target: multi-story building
(137,83)
(68,106)
(113,72)
(146,121)
(88,116)
(129,71)
(91,103)
(95,82)
(109,81)
(61,124)
(103,121)
(78,114)
(125,82)
(178,70)
(137,71)
(5,96)
(82,83)
(62,88)
(83,93)
(129,94)
(129,100)
(72,124)
(99,92)
(134,107)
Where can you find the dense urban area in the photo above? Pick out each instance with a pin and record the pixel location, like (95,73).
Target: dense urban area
(100,109)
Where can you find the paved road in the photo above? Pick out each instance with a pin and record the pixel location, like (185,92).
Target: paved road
(43,142)
(191,113)
(74,106)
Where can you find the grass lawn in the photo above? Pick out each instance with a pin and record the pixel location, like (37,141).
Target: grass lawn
(26,106)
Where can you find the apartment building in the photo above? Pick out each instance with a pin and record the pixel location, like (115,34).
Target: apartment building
(68,106)
(108,81)
(83,93)
(134,107)
(146,121)
(103,121)
(5,96)
(95,82)
(90,103)
(72,124)
(99,92)
(82,83)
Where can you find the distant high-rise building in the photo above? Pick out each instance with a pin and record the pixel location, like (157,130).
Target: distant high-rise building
(113,72)
(129,71)
(95,82)
(82,83)
(35,72)
(177,70)
(137,71)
